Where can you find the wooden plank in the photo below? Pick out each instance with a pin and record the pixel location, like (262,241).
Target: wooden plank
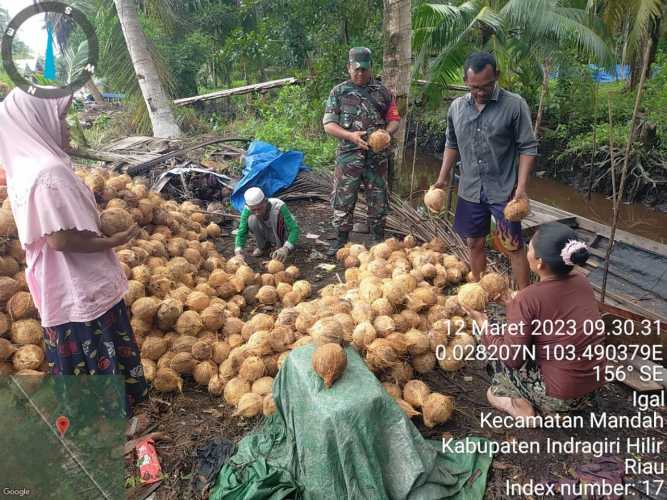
(246,89)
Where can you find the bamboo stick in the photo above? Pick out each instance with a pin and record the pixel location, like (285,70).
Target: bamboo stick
(626,162)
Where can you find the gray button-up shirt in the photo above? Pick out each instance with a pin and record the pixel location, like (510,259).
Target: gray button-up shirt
(489,143)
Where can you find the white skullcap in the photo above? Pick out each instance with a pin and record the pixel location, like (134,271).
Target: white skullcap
(253,196)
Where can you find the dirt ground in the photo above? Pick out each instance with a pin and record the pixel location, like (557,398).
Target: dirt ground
(192,418)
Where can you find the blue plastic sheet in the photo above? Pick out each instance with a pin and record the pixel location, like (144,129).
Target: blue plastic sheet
(268,168)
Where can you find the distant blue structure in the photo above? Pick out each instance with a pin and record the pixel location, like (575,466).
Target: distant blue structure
(621,72)
(50,59)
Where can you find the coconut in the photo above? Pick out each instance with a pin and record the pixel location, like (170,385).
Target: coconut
(274,266)
(235,389)
(8,266)
(415,392)
(267,295)
(363,334)
(202,350)
(7,224)
(287,317)
(379,140)
(216,385)
(304,322)
(347,323)
(516,209)
(393,292)
(434,199)
(249,405)
(451,360)
(153,348)
(204,371)
(362,311)
(424,363)
(393,390)
(197,301)
(8,288)
(6,349)
(407,408)
(261,321)
(28,357)
(472,296)
(417,342)
(398,343)
(262,386)
(303,288)
(329,362)
(384,325)
(193,256)
(167,380)
(115,220)
(380,355)
(213,230)
(437,409)
(168,312)
(401,373)
(327,330)
(421,298)
(232,326)
(21,306)
(6,368)
(150,369)
(252,369)
(183,362)
(221,350)
(145,308)
(268,405)
(27,331)
(305,340)
(212,317)
(494,284)
(189,323)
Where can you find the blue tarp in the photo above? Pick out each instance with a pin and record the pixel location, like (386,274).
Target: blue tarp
(268,168)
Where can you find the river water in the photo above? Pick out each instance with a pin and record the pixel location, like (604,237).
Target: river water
(634,218)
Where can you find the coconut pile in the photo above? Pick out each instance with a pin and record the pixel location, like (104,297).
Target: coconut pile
(188,303)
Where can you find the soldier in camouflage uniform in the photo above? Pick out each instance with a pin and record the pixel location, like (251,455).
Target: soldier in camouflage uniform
(354,110)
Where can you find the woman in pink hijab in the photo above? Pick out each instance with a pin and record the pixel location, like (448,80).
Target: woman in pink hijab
(72,272)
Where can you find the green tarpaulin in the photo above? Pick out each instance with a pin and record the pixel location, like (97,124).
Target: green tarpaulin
(349,441)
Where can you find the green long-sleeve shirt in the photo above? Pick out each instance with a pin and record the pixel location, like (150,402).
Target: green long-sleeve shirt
(281,221)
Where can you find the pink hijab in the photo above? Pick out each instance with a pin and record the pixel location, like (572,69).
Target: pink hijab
(31,143)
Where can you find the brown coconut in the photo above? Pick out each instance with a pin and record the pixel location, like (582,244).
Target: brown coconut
(268,405)
(189,323)
(202,350)
(380,355)
(145,308)
(115,220)
(7,224)
(168,313)
(216,385)
(154,347)
(407,408)
(327,330)
(417,342)
(27,331)
(329,362)
(183,363)
(249,405)
(303,288)
(424,363)
(472,296)
(235,389)
(262,386)
(28,357)
(379,140)
(517,209)
(494,284)
(6,349)
(184,343)
(437,409)
(415,392)
(204,371)
(21,306)
(167,380)
(221,350)
(434,199)
(252,369)
(8,288)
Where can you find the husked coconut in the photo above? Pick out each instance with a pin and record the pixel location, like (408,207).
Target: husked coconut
(7,224)
(472,296)
(28,357)
(437,409)
(417,342)
(424,363)
(197,301)
(204,371)
(216,385)
(213,230)
(303,288)
(6,349)
(167,380)
(8,288)
(183,362)
(267,295)
(249,405)
(415,392)
(115,220)
(183,343)
(145,308)
(168,312)
(27,331)
(21,306)
(382,307)
(235,389)
(202,350)
(400,373)
(252,369)
(327,330)
(189,323)
(153,348)
(329,362)
(150,369)
(434,199)
(268,405)
(384,325)
(494,284)
(407,408)
(221,350)
(213,317)
(362,311)
(380,355)
(517,209)
(262,386)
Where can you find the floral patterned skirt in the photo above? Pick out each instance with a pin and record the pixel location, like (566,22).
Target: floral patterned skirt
(104,346)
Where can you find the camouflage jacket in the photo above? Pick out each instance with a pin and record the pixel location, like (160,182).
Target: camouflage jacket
(350,109)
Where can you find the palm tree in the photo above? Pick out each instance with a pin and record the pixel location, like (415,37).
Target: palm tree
(397,61)
(157,103)
(524,35)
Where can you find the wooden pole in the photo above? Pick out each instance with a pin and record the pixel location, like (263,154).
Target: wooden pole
(626,162)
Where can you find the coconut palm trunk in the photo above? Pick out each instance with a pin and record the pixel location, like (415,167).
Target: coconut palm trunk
(159,108)
(396,74)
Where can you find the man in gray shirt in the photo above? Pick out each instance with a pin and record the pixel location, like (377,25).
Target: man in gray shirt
(491,130)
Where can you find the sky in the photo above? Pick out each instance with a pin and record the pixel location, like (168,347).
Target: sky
(32,32)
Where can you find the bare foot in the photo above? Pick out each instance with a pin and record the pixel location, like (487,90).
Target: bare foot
(518,408)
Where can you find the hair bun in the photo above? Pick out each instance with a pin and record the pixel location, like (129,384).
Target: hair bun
(580,256)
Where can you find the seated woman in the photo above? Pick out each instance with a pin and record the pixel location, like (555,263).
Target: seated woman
(553,315)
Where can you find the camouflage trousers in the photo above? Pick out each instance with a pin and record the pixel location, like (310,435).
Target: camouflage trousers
(353,170)
(527,383)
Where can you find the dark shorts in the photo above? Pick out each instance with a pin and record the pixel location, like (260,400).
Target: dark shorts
(473,220)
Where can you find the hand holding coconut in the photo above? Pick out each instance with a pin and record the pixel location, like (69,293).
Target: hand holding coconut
(379,140)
